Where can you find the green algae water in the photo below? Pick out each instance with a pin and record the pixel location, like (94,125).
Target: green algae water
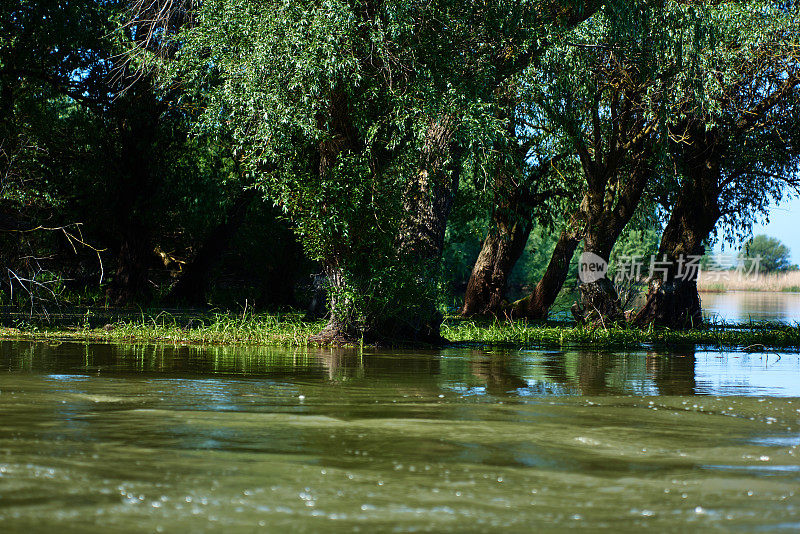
(143,438)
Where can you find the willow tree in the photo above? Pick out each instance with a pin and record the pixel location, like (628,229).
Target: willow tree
(355,118)
(579,126)
(603,108)
(734,138)
(527,186)
(701,100)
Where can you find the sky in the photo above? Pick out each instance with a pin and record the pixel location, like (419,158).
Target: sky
(784,224)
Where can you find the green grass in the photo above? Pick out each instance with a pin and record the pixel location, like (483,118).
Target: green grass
(289,329)
(768,335)
(217,328)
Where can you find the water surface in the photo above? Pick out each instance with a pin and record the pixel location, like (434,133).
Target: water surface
(747,306)
(99,438)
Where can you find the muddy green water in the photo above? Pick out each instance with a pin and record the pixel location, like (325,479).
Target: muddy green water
(113,438)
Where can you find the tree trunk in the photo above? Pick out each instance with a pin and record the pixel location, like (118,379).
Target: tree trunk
(536,305)
(427,202)
(429,195)
(509,228)
(500,251)
(134,259)
(671,303)
(340,329)
(607,206)
(598,303)
(598,300)
(192,286)
(518,194)
(672,299)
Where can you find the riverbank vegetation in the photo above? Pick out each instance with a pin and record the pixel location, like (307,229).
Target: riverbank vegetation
(382,164)
(292,329)
(731,281)
(764,264)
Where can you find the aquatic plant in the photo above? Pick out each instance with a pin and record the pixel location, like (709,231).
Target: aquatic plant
(291,329)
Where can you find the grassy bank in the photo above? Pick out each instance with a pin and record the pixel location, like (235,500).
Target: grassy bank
(753,336)
(291,330)
(732,281)
(216,328)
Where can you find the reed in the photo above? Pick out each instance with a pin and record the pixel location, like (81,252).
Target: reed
(733,281)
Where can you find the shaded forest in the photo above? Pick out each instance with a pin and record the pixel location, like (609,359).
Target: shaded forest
(382,163)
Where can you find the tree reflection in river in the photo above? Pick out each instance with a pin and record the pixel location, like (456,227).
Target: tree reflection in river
(593,369)
(604,373)
(474,371)
(673,374)
(497,372)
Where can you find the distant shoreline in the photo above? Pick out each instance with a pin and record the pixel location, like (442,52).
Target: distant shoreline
(724,281)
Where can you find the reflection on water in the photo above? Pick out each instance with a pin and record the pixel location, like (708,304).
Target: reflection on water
(471,371)
(164,438)
(746,306)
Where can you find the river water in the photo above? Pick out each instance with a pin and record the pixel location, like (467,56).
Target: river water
(747,306)
(142,438)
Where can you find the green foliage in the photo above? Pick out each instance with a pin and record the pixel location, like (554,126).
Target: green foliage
(735,57)
(329,106)
(327,109)
(774,256)
(636,243)
(47,82)
(94,165)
